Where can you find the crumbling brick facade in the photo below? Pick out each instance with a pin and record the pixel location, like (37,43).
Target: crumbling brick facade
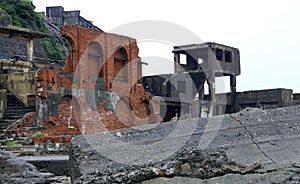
(98,90)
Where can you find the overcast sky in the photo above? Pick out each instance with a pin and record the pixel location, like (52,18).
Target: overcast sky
(267,32)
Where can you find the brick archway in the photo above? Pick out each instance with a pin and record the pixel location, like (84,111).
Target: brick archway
(70,64)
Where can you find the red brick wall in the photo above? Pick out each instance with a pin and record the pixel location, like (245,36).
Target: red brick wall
(133,108)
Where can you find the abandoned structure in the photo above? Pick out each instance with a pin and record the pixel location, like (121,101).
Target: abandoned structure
(97,90)
(14,73)
(195,65)
(101,88)
(22,34)
(58,16)
(183,92)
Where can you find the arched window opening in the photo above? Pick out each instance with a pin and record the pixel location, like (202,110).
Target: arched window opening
(69,44)
(120,61)
(95,62)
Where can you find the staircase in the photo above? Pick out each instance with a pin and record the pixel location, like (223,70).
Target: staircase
(15,110)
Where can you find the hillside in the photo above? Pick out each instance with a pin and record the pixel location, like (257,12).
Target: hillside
(21,13)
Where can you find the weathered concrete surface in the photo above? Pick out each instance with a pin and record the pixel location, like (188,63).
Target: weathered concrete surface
(20,84)
(283,176)
(15,170)
(55,164)
(266,142)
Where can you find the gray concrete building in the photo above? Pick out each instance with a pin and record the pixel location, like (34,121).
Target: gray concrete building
(59,16)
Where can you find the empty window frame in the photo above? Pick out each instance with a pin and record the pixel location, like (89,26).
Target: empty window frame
(183,59)
(219,54)
(228,56)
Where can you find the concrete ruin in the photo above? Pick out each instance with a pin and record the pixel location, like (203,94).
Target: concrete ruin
(183,92)
(59,16)
(194,65)
(23,34)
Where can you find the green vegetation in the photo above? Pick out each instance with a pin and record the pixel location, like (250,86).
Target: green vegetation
(39,134)
(11,144)
(22,14)
(54,48)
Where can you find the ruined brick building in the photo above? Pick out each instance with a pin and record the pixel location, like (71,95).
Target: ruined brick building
(98,88)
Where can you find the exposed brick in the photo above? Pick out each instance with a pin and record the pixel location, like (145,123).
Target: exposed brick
(133,108)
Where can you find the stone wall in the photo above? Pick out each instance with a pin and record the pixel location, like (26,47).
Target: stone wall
(3,103)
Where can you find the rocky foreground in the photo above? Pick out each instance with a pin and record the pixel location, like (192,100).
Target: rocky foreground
(14,170)
(252,146)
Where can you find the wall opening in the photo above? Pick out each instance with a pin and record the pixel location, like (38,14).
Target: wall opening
(183,59)
(219,54)
(95,62)
(71,49)
(120,61)
(228,57)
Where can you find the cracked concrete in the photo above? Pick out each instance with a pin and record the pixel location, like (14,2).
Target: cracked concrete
(268,138)
(252,139)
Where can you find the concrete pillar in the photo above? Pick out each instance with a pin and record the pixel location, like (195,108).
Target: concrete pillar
(201,98)
(234,100)
(201,92)
(30,50)
(176,63)
(212,94)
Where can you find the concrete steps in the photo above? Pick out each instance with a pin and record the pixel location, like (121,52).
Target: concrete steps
(15,111)
(21,150)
